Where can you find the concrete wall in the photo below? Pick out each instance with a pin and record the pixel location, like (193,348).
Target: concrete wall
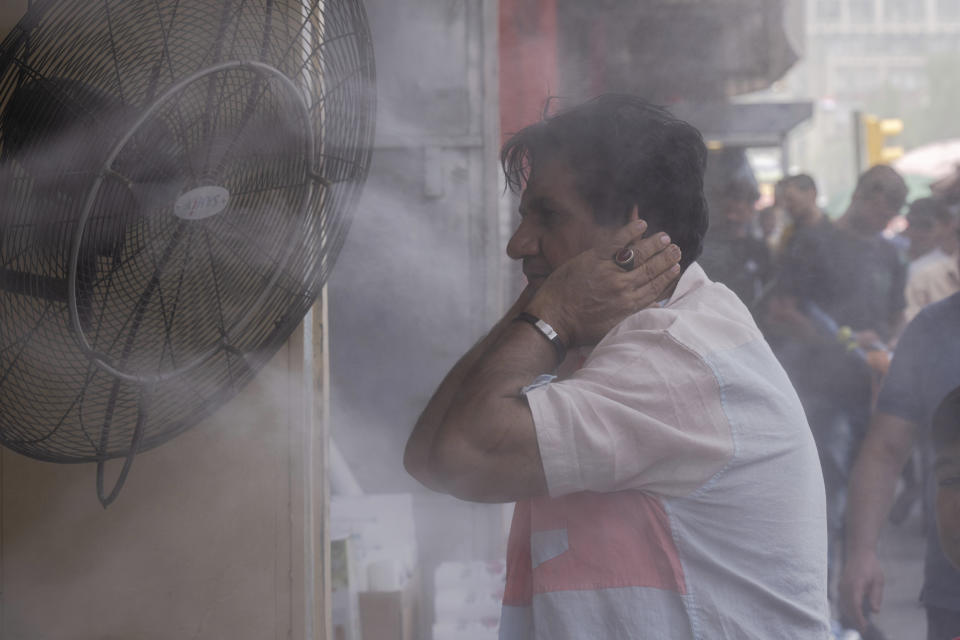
(419,279)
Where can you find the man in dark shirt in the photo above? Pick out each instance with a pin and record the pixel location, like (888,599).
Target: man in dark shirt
(945,434)
(832,275)
(800,202)
(846,267)
(924,370)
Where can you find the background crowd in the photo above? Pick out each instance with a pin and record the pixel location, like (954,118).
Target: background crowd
(863,311)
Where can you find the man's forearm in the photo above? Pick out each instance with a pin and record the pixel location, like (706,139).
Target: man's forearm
(873,481)
(486,447)
(416,455)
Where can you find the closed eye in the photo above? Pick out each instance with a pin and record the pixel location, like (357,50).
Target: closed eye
(544,216)
(550,216)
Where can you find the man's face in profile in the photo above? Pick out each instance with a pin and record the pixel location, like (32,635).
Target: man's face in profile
(947,474)
(556,223)
(878,212)
(924,233)
(797,202)
(737,210)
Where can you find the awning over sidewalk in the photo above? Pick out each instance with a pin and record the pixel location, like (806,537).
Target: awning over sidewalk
(677,49)
(755,47)
(744,125)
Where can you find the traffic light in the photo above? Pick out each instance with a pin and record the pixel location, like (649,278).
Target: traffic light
(877,130)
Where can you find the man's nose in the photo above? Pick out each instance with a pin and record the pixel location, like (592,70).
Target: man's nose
(525,242)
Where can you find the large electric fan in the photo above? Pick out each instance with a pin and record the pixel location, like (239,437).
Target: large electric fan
(176,180)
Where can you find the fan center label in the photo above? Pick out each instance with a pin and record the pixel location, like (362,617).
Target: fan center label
(201,203)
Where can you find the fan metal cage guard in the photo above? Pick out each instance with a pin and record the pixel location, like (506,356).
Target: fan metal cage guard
(176,181)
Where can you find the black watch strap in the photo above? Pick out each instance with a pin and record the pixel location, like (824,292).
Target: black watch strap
(547,332)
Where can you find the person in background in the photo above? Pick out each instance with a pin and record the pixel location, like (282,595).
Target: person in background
(925,368)
(837,277)
(771,220)
(732,254)
(930,227)
(933,273)
(946,470)
(800,203)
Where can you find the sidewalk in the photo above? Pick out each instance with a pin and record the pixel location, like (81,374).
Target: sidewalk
(901,551)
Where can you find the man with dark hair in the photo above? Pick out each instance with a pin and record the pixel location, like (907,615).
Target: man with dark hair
(800,202)
(930,229)
(802,183)
(933,274)
(658,167)
(925,367)
(667,485)
(878,197)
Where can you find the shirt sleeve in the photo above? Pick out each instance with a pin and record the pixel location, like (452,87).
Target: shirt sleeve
(914,294)
(644,412)
(900,394)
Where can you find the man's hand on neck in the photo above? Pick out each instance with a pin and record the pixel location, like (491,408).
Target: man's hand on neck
(589,295)
(476,439)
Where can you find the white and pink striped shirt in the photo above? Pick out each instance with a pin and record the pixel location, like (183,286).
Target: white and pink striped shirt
(686,499)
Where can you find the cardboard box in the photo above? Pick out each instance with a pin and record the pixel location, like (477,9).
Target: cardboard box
(389,615)
(382,530)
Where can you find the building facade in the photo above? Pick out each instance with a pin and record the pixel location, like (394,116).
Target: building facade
(894,58)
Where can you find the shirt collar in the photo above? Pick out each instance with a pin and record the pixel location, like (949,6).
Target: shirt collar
(692,279)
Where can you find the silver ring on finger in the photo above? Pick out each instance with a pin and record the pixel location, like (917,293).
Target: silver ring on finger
(626,258)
